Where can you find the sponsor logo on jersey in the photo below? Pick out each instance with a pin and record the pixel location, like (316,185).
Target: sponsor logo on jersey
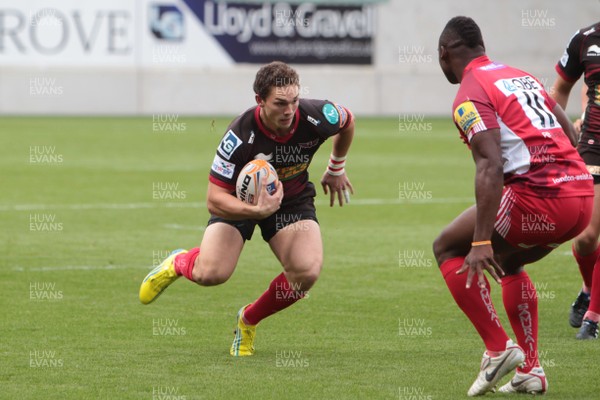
(313,121)
(343,115)
(222,167)
(287,173)
(564,59)
(331,113)
(593,50)
(492,66)
(508,85)
(263,156)
(521,83)
(511,86)
(310,144)
(228,144)
(468,119)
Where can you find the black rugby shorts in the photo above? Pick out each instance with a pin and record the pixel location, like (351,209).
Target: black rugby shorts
(298,208)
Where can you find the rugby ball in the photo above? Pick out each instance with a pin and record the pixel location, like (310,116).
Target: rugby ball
(249,180)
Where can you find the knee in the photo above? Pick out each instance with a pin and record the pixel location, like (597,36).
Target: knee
(306,275)
(209,280)
(586,242)
(309,278)
(208,275)
(440,249)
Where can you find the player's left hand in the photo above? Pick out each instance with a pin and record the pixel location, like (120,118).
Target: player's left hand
(339,185)
(481,258)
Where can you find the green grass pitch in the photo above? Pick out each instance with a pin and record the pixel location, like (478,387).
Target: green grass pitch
(88,205)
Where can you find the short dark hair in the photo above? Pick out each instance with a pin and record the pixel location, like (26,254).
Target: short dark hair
(464,30)
(274,74)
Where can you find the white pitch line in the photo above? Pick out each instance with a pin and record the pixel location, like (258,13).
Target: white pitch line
(81,268)
(97,206)
(184,227)
(137,206)
(380,202)
(123,267)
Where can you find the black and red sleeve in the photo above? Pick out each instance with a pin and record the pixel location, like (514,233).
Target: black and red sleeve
(570,67)
(328,117)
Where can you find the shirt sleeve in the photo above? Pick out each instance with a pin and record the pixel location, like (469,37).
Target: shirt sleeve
(228,161)
(570,67)
(472,117)
(327,117)
(474,112)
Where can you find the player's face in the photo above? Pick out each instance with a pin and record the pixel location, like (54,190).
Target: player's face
(279,108)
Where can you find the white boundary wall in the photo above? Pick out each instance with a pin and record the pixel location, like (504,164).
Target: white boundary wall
(405,78)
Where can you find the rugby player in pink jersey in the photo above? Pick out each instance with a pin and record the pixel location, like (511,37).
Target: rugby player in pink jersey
(582,57)
(532,191)
(287,131)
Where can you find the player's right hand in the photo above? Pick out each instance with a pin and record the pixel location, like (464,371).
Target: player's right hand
(479,259)
(267,203)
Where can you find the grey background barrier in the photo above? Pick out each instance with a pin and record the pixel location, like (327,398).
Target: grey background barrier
(404,79)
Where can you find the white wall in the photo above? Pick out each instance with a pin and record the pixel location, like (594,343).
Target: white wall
(404,80)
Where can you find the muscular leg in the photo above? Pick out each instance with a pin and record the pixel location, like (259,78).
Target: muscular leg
(512,262)
(299,248)
(300,251)
(455,240)
(450,249)
(211,264)
(587,241)
(219,253)
(585,245)
(519,295)
(520,301)
(587,254)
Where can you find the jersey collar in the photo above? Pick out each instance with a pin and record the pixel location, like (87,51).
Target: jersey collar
(477,62)
(271,135)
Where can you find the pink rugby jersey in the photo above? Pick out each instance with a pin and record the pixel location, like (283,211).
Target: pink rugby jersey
(539,159)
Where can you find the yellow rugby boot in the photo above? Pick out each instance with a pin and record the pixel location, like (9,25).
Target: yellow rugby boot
(159,278)
(243,342)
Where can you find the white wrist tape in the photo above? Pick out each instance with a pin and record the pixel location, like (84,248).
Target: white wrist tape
(336,165)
